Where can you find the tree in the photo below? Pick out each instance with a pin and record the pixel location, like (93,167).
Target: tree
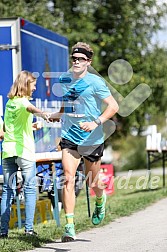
(125,30)
(116,30)
(34,11)
(119,30)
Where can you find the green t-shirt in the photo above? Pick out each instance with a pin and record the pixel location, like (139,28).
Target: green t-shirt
(18,137)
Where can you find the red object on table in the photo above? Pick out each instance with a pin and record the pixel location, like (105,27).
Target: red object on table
(107,178)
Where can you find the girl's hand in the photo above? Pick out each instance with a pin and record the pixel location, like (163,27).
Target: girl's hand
(1,135)
(37,125)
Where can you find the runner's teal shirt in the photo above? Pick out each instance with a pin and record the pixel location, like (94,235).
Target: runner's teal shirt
(83,102)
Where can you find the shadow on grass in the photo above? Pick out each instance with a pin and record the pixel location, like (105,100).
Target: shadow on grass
(36,241)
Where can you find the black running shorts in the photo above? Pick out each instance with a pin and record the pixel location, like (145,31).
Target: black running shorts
(91,153)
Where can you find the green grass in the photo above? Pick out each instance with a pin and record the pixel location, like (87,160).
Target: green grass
(122,202)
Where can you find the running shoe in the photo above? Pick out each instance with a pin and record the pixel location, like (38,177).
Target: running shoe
(99,212)
(30,233)
(3,236)
(69,233)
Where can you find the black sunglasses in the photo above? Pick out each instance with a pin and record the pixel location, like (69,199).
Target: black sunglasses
(80,59)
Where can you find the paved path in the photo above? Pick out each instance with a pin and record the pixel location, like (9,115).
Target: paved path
(144,231)
(141,172)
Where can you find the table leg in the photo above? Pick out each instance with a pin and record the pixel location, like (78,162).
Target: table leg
(149,168)
(56,206)
(88,199)
(18,205)
(163,167)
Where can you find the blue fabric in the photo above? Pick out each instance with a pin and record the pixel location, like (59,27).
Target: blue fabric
(10,167)
(82,97)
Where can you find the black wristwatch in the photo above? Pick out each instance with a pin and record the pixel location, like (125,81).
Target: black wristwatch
(97,121)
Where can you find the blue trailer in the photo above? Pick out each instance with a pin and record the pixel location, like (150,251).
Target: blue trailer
(27,46)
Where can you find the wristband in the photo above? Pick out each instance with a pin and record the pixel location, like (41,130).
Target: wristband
(97,121)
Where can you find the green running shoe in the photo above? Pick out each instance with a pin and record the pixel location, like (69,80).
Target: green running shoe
(69,233)
(99,212)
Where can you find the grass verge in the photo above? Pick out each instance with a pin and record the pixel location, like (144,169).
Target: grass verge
(129,196)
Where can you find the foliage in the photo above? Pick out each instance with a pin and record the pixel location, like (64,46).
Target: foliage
(116,30)
(125,29)
(33,10)
(121,30)
(153,74)
(133,154)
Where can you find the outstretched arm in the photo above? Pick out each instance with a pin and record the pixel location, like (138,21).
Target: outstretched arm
(55,117)
(37,112)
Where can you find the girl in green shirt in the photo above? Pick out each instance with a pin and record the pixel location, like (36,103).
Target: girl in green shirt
(18,150)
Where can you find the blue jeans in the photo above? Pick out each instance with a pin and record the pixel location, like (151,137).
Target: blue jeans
(28,170)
